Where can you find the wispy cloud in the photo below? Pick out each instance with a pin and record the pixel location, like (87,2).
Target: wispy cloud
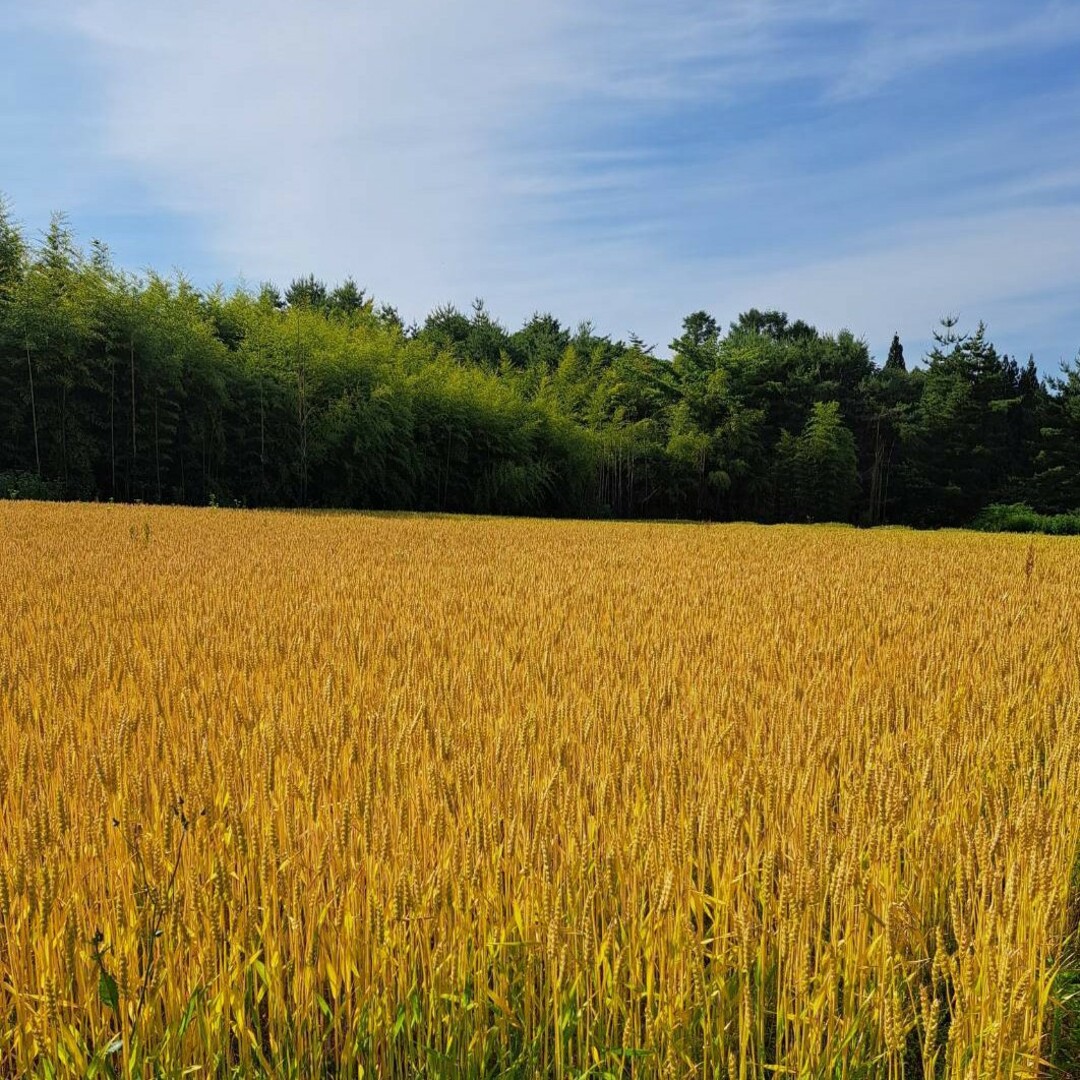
(914,37)
(616,160)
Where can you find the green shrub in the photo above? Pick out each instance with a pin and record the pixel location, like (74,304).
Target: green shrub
(1021,518)
(26,485)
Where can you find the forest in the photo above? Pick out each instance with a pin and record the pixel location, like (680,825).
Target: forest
(145,388)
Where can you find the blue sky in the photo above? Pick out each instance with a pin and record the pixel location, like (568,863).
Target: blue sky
(862,164)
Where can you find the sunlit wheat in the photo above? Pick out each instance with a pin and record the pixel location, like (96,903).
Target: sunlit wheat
(298,794)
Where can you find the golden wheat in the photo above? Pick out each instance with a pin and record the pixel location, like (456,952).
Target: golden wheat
(290,794)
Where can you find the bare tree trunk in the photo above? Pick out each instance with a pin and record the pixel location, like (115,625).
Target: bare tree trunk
(112,423)
(33,407)
(134,451)
(157,448)
(302,408)
(618,480)
(702,463)
(262,439)
(875,475)
(888,472)
(63,432)
(446,481)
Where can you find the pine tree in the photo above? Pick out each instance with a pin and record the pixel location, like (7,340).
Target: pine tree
(895,361)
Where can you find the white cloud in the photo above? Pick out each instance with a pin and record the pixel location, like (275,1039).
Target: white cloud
(1005,268)
(916,37)
(339,137)
(371,137)
(433,151)
(996,267)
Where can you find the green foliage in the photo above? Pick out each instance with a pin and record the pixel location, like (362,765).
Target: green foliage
(1020,518)
(27,485)
(826,465)
(895,360)
(117,387)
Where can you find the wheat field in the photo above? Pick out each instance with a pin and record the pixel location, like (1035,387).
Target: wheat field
(312,794)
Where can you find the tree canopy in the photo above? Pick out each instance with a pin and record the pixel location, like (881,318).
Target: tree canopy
(120,387)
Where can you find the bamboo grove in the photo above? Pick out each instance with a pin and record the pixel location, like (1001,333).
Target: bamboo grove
(323,794)
(149,390)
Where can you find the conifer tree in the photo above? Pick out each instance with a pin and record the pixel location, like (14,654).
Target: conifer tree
(895,360)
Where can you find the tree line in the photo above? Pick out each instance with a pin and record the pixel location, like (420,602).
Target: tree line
(114,386)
